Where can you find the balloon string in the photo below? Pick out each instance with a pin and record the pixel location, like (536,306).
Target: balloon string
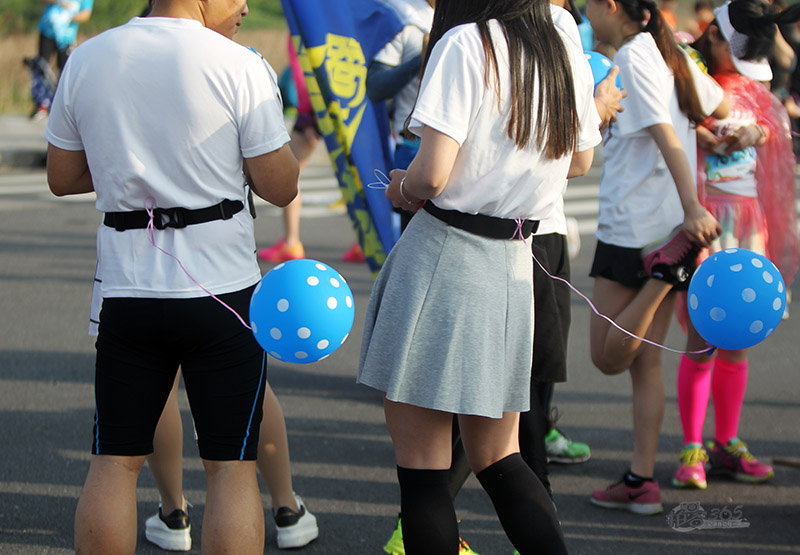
(708,351)
(380,183)
(149,207)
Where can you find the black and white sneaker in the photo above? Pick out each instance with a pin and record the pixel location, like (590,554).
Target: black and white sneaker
(295,528)
(172,532)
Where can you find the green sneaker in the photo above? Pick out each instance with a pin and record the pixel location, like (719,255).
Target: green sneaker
(395,544)
(561,449)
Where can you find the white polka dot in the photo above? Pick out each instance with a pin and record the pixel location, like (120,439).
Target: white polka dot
(710,280)
(748,295)
(320,266)
(303,333)
(717,314)
(283,305)
(731,251)
(323,344)
(279,266)
(777,304)
(345,339)
(756,326)
(326,356)
(275,355)
(258,288)
(769,332)
(768,277)
(335,282)
(348,301)
(757,263)
(254,327)
(780,287)
(332,303)
(301,355)
(312,280)
(693,302)
(736,268)
(275,333)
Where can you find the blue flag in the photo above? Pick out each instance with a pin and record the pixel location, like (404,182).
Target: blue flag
(335,43)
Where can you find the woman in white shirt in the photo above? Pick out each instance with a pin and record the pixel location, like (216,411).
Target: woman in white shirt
(449,326)
(647,192)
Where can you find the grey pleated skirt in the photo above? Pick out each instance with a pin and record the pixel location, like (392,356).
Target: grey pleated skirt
(449,324)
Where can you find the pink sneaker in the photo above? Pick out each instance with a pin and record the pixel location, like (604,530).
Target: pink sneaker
(268,252)
(734,460)
(354,253)
(672,259)
(644,500)
(692,471)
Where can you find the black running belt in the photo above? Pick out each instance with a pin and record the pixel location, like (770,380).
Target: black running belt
(177,218)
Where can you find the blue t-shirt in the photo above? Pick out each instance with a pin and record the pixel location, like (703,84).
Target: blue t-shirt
(56,21)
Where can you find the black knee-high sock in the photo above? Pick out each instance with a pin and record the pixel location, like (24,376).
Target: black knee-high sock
(525,510)
(429,518)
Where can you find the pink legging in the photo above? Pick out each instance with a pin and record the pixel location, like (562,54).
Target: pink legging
(727,384)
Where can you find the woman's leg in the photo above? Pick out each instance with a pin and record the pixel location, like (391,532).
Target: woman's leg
(648,394)
(613,351)
(728,384)
(422,441)
(519,498)
(166,460)
(105,520)
(273,454)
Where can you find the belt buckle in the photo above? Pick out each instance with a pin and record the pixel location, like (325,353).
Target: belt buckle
(168,217)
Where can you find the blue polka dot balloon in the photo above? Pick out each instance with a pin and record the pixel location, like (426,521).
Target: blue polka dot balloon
(600,65)
(301,311)
(736,299)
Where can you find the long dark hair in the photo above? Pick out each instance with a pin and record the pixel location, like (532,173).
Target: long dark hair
(535,50)
(688,101)
(756,20)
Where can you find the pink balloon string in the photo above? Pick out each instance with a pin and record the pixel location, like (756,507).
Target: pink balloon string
(149,207)
(708,351)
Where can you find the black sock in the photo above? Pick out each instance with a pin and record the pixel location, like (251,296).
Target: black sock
(525,510)
(635,481)
(429,518)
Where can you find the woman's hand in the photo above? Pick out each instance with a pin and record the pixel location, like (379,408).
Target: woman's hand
(706,139)
(401,198)
(744,137)
(701,226)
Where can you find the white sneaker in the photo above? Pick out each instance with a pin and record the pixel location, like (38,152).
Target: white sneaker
(295,528)
(172,532)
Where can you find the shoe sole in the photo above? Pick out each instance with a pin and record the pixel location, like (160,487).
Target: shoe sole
(740,477)
(645,509)
(168,540)
(689,484)
(566,460)
(289,539)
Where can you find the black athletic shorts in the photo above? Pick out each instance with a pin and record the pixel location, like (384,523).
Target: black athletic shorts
(140,345)
(621,264)
(552,312)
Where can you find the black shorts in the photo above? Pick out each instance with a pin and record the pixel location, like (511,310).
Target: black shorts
(621,264)
(140,345)
(552,312)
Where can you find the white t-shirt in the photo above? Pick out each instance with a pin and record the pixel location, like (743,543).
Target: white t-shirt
(639,202)
(491,176)
(165,110)
(405,46)
(582,74)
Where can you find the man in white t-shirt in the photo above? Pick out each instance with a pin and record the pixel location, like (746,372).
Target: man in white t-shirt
(160,117)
